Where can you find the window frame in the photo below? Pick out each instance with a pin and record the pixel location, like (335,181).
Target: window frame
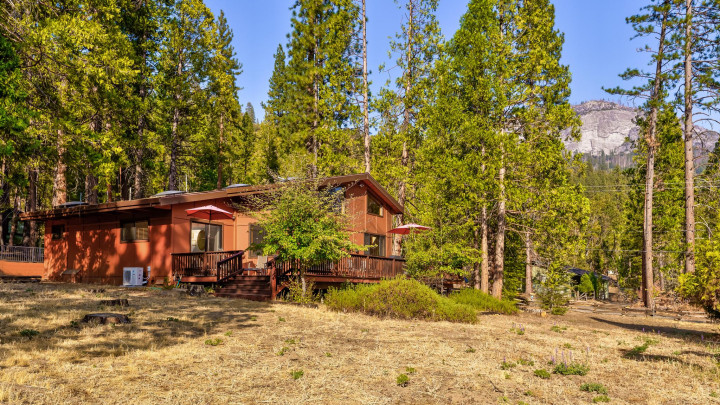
(134,222)
(254,254)
(57,235)
(207,228)
(381,248)
(371,198)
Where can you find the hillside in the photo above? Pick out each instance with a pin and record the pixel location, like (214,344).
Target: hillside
(609,131)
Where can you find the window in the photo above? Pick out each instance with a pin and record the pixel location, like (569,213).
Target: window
(205,237)
(58,232)
(373,206)
(378,242)
(257,236)
(134,231)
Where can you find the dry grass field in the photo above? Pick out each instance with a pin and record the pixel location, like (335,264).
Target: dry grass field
(185,350)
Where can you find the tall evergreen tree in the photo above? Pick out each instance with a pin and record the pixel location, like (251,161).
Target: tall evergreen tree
(400,102)
(321,81)
(183,63)
(223,70)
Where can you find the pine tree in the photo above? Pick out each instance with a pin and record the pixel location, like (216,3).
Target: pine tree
(223,70)
(400,102)
(655,22)
(183,63)
(321,81)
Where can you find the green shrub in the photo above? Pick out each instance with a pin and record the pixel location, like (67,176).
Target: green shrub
(594,387)
(296,374)
(213,342)
(571,369)
(586,284)
(402,380)
(558,329)
(483,302)
(29,333)
(507,365)
(638,350)
(399,298)
(296,294)
(559,310)
(410,370)
(542,373)
(601,398)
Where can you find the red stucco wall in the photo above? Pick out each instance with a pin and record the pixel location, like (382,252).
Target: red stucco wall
(92,245)
(21,269)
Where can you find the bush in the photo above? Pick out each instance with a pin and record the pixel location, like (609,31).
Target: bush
(29,333)
(399,298)
(553,291)
(402,380)
(593,387)
(571,369)
(559,310)
(542,373)
(483,302)
(601,398)
(296,294)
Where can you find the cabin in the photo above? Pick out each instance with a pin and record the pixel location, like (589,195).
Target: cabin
(155,240)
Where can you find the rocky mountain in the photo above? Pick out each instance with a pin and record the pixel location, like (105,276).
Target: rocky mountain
(609,131)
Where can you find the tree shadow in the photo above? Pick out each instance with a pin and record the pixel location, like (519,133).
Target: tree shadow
(158,320)
(681,333)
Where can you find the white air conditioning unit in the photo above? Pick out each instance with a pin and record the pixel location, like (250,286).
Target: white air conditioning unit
(132,276)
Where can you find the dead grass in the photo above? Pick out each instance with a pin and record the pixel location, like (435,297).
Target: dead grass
(162,357)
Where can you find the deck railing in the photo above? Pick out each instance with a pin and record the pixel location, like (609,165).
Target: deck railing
(354,266)
(229,267)
(199,264)
(24,254)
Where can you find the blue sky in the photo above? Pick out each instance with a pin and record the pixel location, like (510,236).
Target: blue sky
(597,40)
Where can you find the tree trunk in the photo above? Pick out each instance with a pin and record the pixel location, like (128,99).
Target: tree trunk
(528,264)
(220,151)
(31,205)
(59,182)
(139,190)
(402,196)
(498,274)
(405,155)
(476,265)
(174,150)
(484,250)
(91,192)
(648,281)
(4,198)
(14,222)
(689,153)
(366,101)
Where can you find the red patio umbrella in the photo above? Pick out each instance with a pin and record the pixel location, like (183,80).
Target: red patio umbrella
(407,228)
(208,211)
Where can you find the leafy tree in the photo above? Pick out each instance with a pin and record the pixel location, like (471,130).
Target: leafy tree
(298,228)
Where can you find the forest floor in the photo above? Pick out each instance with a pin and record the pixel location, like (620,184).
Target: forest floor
(186,350)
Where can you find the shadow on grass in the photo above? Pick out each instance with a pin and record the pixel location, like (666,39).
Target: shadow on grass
(657,358)
(158,320)
(693,335)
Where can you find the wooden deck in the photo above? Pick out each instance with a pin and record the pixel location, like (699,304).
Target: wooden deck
(203,267)
(226,270)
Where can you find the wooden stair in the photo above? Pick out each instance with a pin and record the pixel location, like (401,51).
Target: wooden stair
(254,288)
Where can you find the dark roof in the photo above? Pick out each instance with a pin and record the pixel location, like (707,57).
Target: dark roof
(580,272)
(165,201)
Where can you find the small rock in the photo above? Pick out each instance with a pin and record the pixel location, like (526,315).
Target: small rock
(119,302)
(196,290)
(105,318)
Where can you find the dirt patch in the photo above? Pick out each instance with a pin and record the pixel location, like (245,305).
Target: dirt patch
(182,349)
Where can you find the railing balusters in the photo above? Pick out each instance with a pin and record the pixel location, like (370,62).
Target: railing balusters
(25,254)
